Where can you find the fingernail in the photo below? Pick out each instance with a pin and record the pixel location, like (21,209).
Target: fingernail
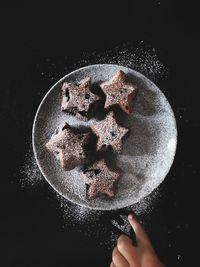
(130,217)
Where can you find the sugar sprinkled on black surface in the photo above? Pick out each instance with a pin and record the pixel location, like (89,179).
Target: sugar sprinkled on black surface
(147,62)
(142,59)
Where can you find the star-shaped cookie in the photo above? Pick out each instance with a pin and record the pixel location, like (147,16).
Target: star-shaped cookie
(68,147)
(109,133)
(119,92)
(77,98)
(101,179)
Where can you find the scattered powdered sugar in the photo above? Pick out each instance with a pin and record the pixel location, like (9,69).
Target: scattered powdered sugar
(30,174)
(103,224)
(75,213)
(143,59)
(147,204)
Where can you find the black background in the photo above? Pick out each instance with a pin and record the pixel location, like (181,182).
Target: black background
(31,232)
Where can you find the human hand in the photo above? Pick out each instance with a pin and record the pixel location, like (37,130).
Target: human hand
(127,255)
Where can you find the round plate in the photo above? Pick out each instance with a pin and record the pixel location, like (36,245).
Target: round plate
(148,151)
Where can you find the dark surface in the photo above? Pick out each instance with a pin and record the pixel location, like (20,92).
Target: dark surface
(39,46)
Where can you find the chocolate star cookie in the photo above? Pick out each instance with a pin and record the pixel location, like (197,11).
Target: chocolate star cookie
(78,98)
(68,147)
(101,179)
(119,92)
(109,133)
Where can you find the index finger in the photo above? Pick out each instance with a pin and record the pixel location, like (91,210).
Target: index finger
(141,236)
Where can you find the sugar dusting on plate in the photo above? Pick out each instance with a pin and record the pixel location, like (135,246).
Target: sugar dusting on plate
(147,62)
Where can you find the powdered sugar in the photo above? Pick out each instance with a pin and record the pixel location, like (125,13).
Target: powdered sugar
(30,174)
(145,61)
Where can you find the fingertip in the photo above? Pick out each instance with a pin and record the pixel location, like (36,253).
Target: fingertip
(130,217)
(135,224)
(132,220)
(140,233)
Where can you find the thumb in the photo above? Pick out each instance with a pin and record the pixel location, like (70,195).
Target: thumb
(141,236)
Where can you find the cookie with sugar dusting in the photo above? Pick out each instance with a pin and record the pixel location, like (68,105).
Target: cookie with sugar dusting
(68,147)
(109,133)
(100,179)
(119,92)
(77,98)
